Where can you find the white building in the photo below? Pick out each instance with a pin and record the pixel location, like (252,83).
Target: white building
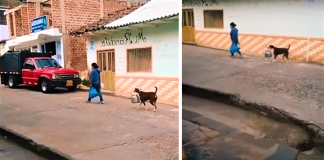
(140,50)
(37,34)
(260,23)
(4,33)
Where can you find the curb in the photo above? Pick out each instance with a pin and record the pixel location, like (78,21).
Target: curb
(268,111)
(250,55)
(190,43)
(115,95)
(32,146)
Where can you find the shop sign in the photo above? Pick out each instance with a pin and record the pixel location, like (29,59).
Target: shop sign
(39,24)
(129,38)
(199,3)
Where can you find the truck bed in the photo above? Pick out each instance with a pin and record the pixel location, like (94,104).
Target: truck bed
(12,61)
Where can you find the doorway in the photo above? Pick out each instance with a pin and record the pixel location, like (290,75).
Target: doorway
(50,47)
(106,63)
(188,26)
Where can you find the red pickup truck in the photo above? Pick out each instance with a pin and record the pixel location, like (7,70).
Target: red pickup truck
(36,69)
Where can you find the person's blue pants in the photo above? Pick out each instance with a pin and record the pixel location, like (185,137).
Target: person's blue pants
(97,87)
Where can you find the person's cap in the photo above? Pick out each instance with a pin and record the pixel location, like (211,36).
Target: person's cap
(233,24)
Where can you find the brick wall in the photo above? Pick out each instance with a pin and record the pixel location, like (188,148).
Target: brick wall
(80,13)
(31,12)
(77,13)
(11,25)
(18,23)
(77,53)
(56,14)
(111,6)
(24,21)
(20,20)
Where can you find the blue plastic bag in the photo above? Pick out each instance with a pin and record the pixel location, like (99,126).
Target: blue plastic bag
(93,93)
(234,49)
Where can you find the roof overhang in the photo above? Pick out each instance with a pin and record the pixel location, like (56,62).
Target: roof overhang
(35,38)
(14,9)
(136,27)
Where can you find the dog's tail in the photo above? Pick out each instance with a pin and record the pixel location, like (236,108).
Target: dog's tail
(155,89)
(288,47)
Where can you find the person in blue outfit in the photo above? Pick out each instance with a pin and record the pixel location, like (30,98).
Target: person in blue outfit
(234,38)
(95,81)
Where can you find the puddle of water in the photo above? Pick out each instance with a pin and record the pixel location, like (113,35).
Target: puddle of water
(248,122)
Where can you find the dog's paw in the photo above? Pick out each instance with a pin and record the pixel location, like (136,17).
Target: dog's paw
(137,108)
(154,110)
(146,109)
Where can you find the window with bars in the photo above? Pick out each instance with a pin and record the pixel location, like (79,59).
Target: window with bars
(139,60)
(3,19)
(214,19)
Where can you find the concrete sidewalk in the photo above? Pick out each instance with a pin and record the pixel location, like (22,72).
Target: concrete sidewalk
(64,122)
(294,88)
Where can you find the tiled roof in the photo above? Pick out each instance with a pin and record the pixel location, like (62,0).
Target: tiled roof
(102,22)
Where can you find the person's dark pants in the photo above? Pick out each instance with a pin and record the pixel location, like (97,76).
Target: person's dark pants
(97,87)
(239,52)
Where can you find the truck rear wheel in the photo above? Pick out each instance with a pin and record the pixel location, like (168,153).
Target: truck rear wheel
(12,82)
(45,86)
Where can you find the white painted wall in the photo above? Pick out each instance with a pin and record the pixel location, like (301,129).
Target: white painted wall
(4,33)
(164,40)
(2,48)
(301,18)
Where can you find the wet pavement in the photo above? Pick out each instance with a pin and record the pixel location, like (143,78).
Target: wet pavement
(296,88)
(10,151)
(86,131)
(213,130)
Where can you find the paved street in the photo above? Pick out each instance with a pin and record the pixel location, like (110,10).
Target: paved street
(117,130)
(10,151)
(293,87)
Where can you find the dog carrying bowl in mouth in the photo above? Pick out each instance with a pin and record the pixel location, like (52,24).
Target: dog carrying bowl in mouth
(135,99)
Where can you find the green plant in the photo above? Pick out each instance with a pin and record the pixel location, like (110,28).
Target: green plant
(85,82)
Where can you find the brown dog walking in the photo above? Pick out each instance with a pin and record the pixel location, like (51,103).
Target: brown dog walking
(147,96)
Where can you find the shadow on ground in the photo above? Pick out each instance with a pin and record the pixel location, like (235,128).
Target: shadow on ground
(37,89)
